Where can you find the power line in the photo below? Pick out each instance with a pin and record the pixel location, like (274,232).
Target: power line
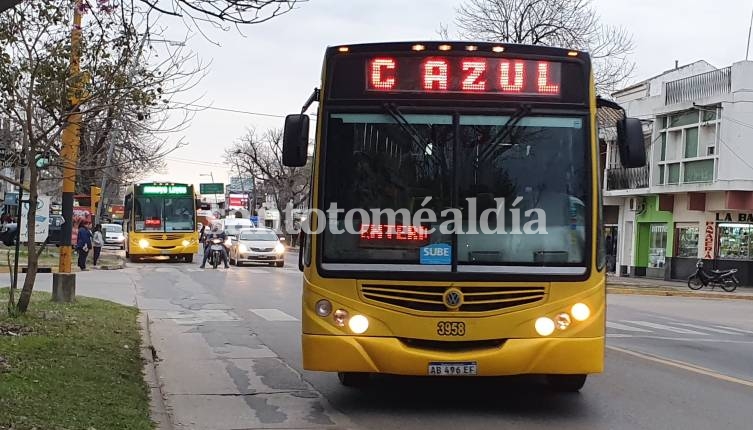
(234,110)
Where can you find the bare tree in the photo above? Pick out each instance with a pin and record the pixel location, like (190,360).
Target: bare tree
(214,11)
(564,23)
(261,157)
(117,97)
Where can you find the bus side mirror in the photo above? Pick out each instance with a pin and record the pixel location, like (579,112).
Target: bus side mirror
(630,142)
(295,140)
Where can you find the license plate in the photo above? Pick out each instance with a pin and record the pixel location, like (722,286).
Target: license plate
(464,368)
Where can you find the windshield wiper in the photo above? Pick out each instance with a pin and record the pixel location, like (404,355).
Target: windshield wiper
(393,111)
(521,112)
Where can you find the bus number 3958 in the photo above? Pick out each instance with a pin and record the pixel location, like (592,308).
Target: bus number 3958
(451,328)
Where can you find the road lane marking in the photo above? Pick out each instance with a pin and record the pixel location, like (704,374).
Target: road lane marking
(682,365)
(707,328)
(273,315)
(666,327)
(618,326)
(735,329)
(679,339)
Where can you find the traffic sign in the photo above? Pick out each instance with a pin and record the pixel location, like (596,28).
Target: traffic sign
(213,188)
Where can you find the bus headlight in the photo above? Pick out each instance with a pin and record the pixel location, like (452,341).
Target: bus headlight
(340,316)
(544,326)
(185,242)
(323,307)
(143,243)
(562,321)
(358,324)
(279,248)
(580,311)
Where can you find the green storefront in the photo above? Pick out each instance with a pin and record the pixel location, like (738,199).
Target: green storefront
(653,241)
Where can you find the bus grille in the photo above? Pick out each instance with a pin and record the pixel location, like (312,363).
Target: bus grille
(453,346)
(161,236)
(430,297)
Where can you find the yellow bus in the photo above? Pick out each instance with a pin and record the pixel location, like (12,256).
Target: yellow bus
(455,212)
(160,220)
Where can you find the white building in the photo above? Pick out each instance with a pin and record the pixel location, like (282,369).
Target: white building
(694,199)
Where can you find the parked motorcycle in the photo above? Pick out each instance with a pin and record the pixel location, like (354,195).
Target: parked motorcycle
(215,252)
(722,278)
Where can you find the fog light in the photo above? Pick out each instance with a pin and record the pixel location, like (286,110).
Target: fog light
(186,243)
(562,321)
(580,311)
(358,324)
(143,243)
(323,307)
(544,326)
(340,316)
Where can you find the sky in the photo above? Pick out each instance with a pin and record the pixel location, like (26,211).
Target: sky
(272,68)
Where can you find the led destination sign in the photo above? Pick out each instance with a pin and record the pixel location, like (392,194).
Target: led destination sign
(473,75)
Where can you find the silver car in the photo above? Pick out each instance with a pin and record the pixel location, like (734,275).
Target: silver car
(257,245)
(113,235)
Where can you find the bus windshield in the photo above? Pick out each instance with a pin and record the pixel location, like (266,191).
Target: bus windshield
(528,172)
(162,214)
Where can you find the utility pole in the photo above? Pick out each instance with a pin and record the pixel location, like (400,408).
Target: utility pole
(64,282)
(747,47)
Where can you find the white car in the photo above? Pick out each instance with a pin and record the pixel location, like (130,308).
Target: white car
(113,235)
(257,245)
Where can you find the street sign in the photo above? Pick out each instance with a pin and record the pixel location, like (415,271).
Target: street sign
(41,222)
(11,199)
(214,188)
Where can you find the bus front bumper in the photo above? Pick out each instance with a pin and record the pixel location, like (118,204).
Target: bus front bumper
(513,357)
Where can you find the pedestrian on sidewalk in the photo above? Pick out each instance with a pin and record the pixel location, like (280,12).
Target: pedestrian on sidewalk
(97,241)
(83,244)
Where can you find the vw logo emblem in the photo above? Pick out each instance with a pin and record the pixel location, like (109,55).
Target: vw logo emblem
(453,298)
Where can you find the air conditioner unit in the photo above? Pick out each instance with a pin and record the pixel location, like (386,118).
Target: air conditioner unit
(637,204)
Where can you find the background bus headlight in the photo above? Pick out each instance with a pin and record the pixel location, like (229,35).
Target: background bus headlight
(358,324)
(580,311)
(143,243)
(186,243)
(544,326)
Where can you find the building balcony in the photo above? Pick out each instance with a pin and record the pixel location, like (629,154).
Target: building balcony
(622,178)
(698,87)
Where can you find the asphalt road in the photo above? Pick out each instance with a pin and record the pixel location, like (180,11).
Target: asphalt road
(672,363)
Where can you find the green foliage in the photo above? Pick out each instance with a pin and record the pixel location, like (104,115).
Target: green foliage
(72,366)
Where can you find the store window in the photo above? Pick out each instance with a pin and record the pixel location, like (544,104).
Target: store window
(687,241)
(657,245)
(734,241)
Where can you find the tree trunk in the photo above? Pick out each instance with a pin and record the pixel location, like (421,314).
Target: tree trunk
(33,256)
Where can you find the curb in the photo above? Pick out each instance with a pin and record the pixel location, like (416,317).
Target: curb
(643,291)
(54,269)
(158,412)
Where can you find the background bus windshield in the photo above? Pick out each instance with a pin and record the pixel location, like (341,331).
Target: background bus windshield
(161,214)
(380,161)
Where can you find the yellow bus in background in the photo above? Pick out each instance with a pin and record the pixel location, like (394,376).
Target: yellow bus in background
(455,129)
(160,220)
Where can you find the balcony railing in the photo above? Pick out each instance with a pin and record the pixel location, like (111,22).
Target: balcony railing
(627,179)
(699,86)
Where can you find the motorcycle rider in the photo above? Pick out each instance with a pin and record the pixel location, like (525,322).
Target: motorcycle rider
(215,233)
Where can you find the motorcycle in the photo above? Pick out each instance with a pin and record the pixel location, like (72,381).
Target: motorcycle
(215,252)
(723,278)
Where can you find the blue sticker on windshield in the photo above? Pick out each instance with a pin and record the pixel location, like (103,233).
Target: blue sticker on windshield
(438,253)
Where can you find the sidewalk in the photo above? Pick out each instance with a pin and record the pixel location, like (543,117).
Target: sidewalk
(203,364)
(660,287)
